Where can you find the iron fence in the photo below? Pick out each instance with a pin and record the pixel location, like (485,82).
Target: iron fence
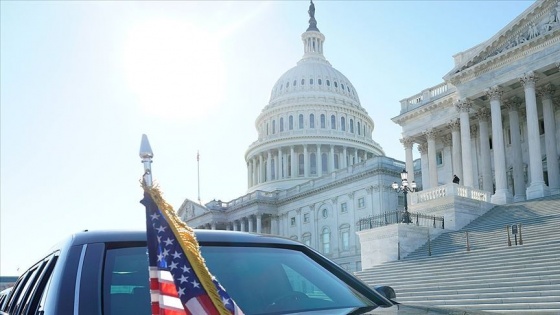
(395,217)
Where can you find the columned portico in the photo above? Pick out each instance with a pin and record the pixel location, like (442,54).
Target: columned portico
(502,194)
(537,187)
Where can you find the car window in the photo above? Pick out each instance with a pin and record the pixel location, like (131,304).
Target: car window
(263,280)
(126,282)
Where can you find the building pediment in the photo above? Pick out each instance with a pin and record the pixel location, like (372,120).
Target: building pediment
(533,29)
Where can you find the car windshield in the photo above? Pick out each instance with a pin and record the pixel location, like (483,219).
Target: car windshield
(264,280)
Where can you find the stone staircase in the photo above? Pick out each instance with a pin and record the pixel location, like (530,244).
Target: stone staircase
(492,276)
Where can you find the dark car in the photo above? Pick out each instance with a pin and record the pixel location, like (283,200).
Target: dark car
(106,272)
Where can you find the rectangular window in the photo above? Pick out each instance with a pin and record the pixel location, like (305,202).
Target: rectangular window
(306,217)
(343,207)
(293,221)
(361,202)
(439,158)
(345,240)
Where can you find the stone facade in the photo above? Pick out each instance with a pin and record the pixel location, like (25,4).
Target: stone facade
(499,105)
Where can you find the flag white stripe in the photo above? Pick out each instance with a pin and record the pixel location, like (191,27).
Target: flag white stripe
(170,302)
(195,307)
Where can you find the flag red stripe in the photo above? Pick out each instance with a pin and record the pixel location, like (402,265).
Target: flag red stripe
(168,289)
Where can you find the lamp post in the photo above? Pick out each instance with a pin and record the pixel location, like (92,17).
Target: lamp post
(405,188)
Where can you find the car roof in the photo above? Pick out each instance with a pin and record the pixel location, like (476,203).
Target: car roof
(219,236)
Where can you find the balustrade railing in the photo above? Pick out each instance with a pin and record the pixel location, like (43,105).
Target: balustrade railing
(395,217)
(449,190)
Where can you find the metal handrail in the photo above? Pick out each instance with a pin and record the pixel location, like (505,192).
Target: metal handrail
(396,217)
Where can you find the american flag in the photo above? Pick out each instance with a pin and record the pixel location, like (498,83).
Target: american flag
(180,283)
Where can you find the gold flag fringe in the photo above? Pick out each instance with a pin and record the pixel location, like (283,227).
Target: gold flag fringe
(190,245)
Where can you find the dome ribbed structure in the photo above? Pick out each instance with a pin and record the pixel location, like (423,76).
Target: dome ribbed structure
(313,124)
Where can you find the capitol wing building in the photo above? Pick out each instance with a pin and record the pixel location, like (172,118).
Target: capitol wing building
(314,170)
(494,121)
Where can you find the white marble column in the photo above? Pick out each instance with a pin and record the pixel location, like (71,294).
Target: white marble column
(456,150)
(249,173)
(432,163)
(477,180)
(502,194)
(331,159)
(344,160)
(294,162)
(235,228)
(319,162)
(259,223)
(464,106)
(537,188)
(546,92)
(407,143)
(261,169)
(485,163)
(250,221)
(279,165)
(305,161)
(423,149)
(519,188)
(269,167)
(355,156)
(242,225)
(274,225)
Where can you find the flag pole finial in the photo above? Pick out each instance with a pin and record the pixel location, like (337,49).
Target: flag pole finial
(146,155)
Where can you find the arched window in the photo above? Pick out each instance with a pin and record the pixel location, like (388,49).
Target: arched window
(301,169)
(295,83)
(311,81)
(352,125)
(323,121)
(342,124)
(333,122)
(291,122)
(273,126)
(324,161)
(313,163)
(335,84)
(281,124)
(300,121)
(326,241)
(287,84)
(359,129)
(311,121)
(328,83)
(342,85)
(302,81)
(319,81)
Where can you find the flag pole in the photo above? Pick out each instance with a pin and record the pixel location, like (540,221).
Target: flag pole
(146,155)
(198,174)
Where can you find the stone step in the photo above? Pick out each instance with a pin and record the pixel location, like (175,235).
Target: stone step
(441,295)
(469,284)
(508,291)
(477,301)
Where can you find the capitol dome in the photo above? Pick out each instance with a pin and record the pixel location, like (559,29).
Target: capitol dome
(313,124)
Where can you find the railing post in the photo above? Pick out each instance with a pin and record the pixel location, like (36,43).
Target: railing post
(509,238)
(398,250)
(520,238)
(434,221)
(468,244)
(443,223)
(417,219)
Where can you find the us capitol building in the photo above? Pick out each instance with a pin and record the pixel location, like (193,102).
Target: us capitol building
(315,170)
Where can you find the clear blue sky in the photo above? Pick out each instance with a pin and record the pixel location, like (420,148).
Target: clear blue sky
(82,81)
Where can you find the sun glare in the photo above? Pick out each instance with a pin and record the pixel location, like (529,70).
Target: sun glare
(175,69)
